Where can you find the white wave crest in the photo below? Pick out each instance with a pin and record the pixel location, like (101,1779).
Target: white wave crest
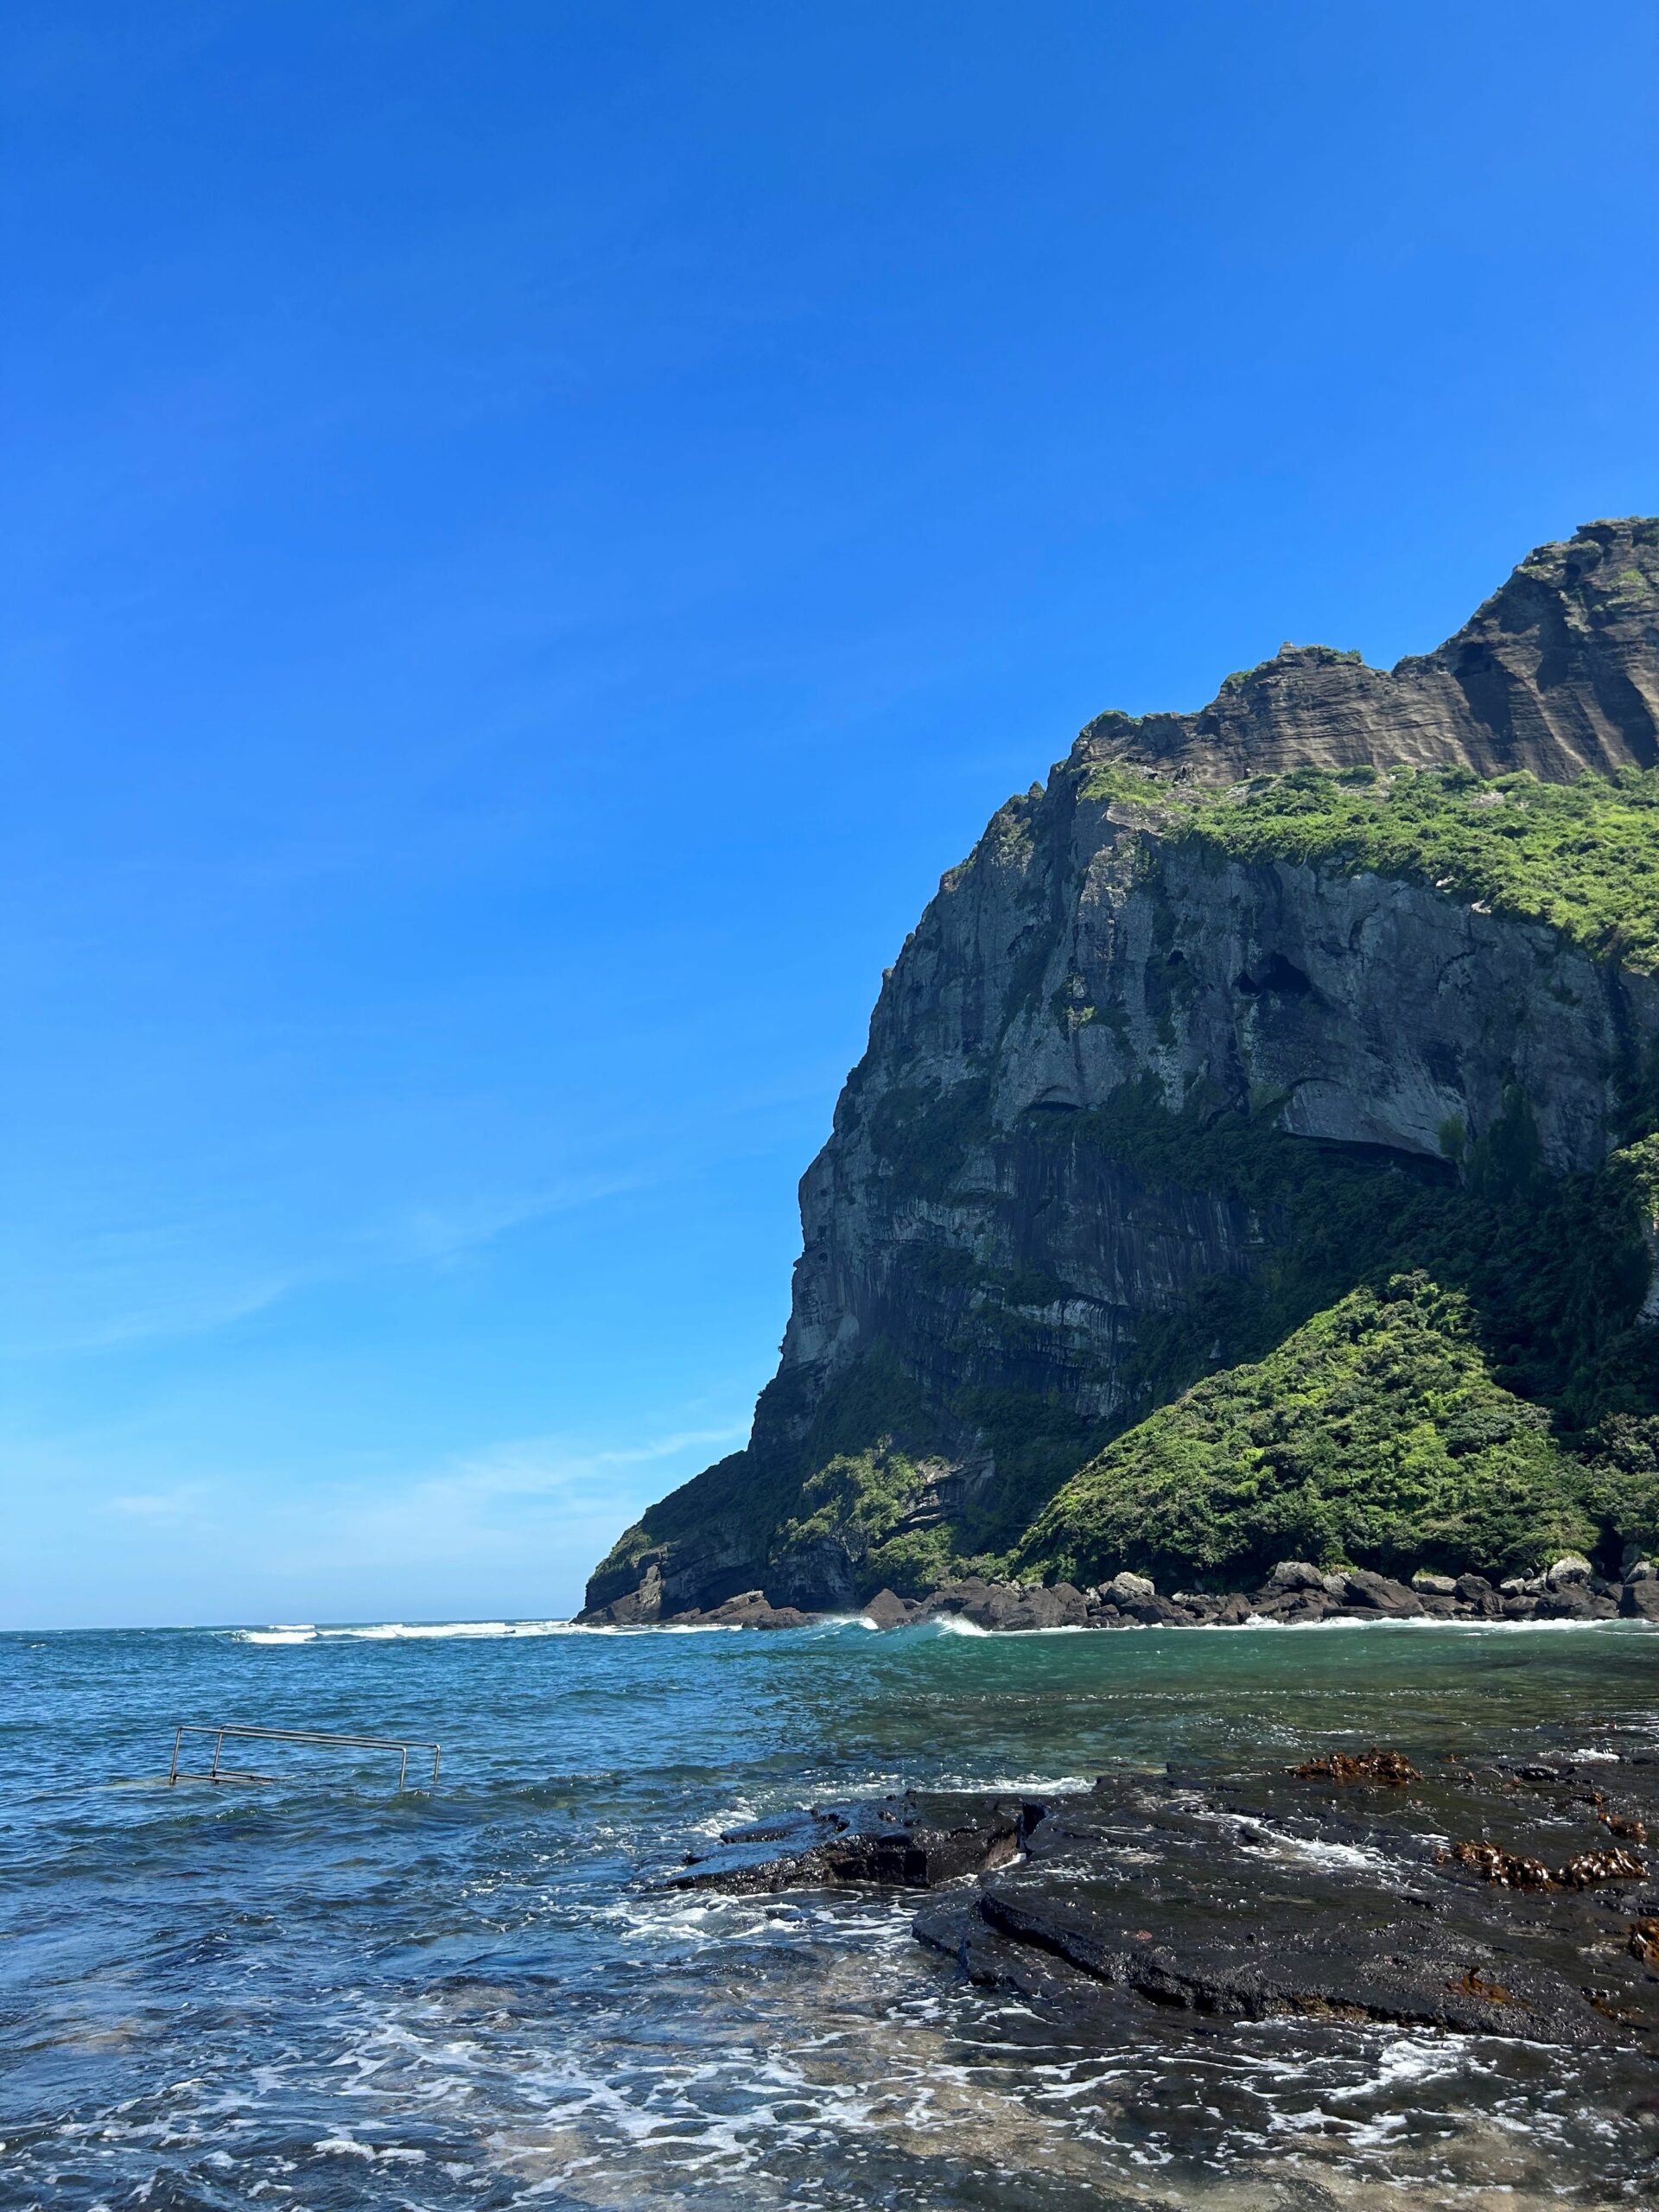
(305,1632)
(477,1631)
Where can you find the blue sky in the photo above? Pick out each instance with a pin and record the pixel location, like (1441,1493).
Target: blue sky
(533,534)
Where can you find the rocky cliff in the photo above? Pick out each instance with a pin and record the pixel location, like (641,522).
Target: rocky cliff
(1348,975)
(1558,672)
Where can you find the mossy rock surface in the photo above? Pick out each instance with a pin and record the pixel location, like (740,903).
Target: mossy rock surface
(1582,857)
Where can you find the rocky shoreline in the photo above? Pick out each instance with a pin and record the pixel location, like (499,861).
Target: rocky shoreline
(1499,1898)
(1295,1594)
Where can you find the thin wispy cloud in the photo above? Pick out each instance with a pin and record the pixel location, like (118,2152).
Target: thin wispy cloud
(123,1288)
(541,1467)
(511,1525)
(84,1304)
(542,1493)
(161,1504)
(439,1233)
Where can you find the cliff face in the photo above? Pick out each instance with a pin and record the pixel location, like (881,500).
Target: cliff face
(1031,1223)
(1557,673)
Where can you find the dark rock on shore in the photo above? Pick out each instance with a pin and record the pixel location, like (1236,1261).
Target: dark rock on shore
(915,1840)
(1009,1605)
(1295,1594)
(1285,1923)
(749,1609)
(886,1611)
(1363,1888)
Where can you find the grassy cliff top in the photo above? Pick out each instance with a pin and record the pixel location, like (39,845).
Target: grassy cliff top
(1581,857)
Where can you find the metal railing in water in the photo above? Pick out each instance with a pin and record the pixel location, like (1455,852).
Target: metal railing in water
(218,1731)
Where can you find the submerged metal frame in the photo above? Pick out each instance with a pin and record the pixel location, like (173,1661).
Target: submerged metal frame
(218,1731)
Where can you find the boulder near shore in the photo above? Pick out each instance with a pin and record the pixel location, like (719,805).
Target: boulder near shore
(1294,1595)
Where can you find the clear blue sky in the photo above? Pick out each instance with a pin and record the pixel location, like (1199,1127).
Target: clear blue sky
(533,533)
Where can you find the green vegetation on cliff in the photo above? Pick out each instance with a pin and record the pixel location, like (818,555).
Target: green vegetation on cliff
(881,1460)
(1554,1267)
(1423,1363)
(1583,857)
(1394,1311)
(1374,1436)
(1425,1369)
(1518,1329)
(1138,1322)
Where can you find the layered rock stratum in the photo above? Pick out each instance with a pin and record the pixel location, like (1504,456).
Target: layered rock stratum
(1305,1044)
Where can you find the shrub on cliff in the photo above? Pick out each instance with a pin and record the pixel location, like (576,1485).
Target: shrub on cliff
(1374,1436)
(1583,857)
(1623,1479)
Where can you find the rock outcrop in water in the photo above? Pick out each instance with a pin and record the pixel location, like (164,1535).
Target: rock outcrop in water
(1145,1096)
(1502,1899)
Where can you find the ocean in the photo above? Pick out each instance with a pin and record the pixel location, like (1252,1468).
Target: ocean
(322,1993)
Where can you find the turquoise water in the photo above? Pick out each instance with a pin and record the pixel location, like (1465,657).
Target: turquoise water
(321,1994)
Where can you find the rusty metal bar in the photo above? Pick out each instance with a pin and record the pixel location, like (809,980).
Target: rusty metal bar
(219,1772)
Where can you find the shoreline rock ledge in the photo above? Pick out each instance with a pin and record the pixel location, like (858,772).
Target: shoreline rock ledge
(1503,1898)
(1294,1595)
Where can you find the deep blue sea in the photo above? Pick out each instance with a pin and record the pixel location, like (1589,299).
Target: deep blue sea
(323,1994)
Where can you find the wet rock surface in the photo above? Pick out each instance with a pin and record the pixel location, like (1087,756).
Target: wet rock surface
(1500,1898)
(1294,1594)
(914,1840)
(748,1609)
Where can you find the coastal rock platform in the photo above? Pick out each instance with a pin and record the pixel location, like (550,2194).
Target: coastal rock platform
(1501,1899)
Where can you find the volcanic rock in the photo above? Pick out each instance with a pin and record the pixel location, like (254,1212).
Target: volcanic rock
(910,1840)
